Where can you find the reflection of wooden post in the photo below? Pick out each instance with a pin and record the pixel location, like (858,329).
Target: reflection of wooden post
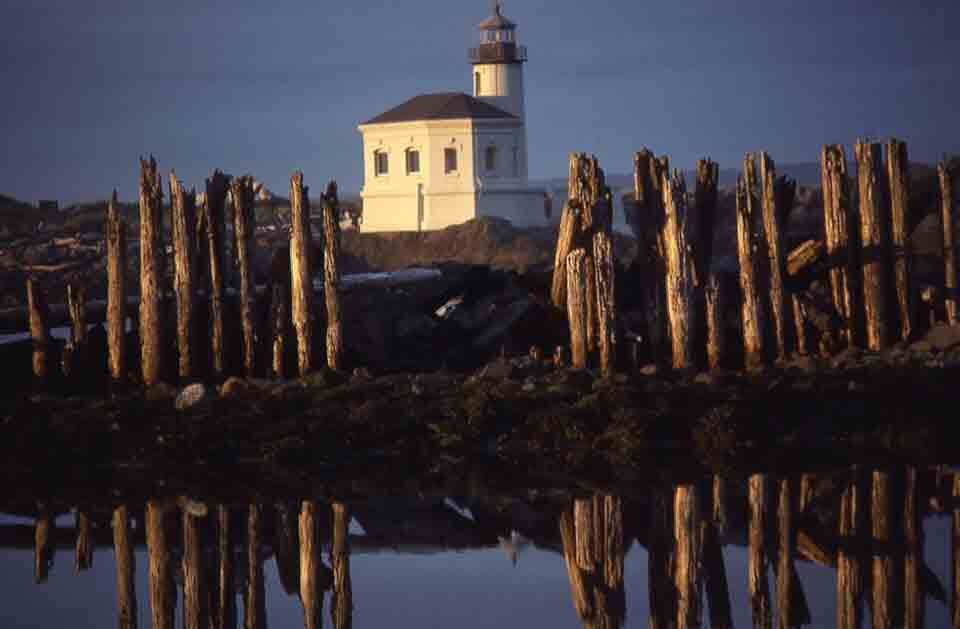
(880,516)
(244,225)
(287,548)
(84,548)
(162,597)
(752,311)
(686,533)
(214,210)
(759,588)
(126,568)
(582,601)
(913,561)
(606,300)
(151,272)
(42,549)
(39,333)
(806,490)
(840,228)
(659,548)
(194,599)
(955,552)
(301,273)
(255,604)
(331,277)
(849,577)
(116,238)
(341,603)
(778,197)
(583,522)
(680,279)
(898,176)
(718,592)
(875,240)
(310,594)
(946,175)
(785,567)
(226,596)
(577,307)
(183,207)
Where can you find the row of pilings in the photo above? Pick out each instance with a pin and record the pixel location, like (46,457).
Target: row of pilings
(865,246)
(200,259)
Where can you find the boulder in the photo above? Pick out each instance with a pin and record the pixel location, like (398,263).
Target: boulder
(191,395)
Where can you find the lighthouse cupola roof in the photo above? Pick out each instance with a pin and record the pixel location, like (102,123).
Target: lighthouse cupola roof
(497,21)
(498,41)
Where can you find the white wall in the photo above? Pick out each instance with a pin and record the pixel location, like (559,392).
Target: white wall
(501,85)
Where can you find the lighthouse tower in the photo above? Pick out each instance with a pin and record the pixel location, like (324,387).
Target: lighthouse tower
(498,64)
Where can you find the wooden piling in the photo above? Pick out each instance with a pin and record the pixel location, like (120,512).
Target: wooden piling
(183,220)
(83,552)
(301,273)
(341,603)
(680,278)
(778,197)
(331,276)
(74,354)
(243,196)
(566,237)
(849,574)
(705,215)
(226,614)
(947,207)
(162,594)
(39,332)
(214,212)
(606,301)
(716,334)
(151,272)
(577,307)
(194,596)
(881,519)
(898,177)
(311,594)
(255,604)
(116,237)
(648,220)
(752,309)
(279,317)
(840,225)
(800,325)
(686,573)
(590,301)
(875,242)
(125,569)
(759,587)
(42,548)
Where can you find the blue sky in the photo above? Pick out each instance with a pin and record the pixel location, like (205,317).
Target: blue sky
(270,87)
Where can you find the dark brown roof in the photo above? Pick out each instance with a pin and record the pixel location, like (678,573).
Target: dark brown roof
(447,106)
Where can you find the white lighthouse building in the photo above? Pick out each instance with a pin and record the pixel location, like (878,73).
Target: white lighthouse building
(442,159)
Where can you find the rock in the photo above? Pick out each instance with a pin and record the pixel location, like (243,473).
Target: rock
(194,507)
(234,387)
(650,370)
(322,378)
(191,396)
(160,391)
(361,374)
(529,387)
(944,337)
(921,347)
(805,364)
(499,370)
(933,363)
(706,378)
(579,378)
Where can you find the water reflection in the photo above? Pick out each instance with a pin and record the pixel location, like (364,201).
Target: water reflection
(866,525)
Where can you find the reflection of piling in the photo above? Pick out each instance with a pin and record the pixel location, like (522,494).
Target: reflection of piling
(126,568)
(116,238)
(226,597)
(286,548)
(84,549)
(194,598)
(255,604)
(301,273)
(341,603)
(311,595)
(718,592)
(955,552)
(659,542)
(849,573)
(686,574)
(913,560)
(880,519)
(759,588)
(162,596)
(792,609)
(42,549)
(151,272)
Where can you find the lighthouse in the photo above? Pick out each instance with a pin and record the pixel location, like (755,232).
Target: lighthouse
(498,64)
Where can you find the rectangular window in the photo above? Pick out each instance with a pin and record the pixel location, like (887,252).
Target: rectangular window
(413,162)
(476,84)
(381,165)
(449,160)
(490,158)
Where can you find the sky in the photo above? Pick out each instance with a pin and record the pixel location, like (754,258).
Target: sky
(267,88)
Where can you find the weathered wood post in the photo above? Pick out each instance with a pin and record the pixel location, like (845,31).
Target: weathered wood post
(125,569)
(840,225)
(898,176)
(226,594)
(947,206)
(162,594)
(194,597)
(39,332)
(647,223)
(255,604)
(331,276)
(75,351)
(280,319)
(43,549)
(341,603)
(686,573)
(151,272)
(301,273)
(705,214)
(752,307)
(881,519)
(577,307)
(849,574)
(183,220)
(569,227)
(800,325)
(311,596)
(83,555)
(778,197)
(214,210)
(243,196)
(875,240)
(680,278)
(606,300)
(716,334)
(759,588)
(116,238)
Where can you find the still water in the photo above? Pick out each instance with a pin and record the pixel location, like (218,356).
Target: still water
(847,547)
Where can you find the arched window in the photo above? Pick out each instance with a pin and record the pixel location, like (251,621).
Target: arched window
(381,163)
(490,158)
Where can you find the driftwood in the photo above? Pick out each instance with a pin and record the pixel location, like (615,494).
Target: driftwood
(875,240)
(301,273)
(125,569)
(60,267)
(331,277)
(947,207)
(244,223)
(214,211)
(151,273)
(116,316)
(840,226)
(804,256)
(898,177)
(747,246)
(183,220)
